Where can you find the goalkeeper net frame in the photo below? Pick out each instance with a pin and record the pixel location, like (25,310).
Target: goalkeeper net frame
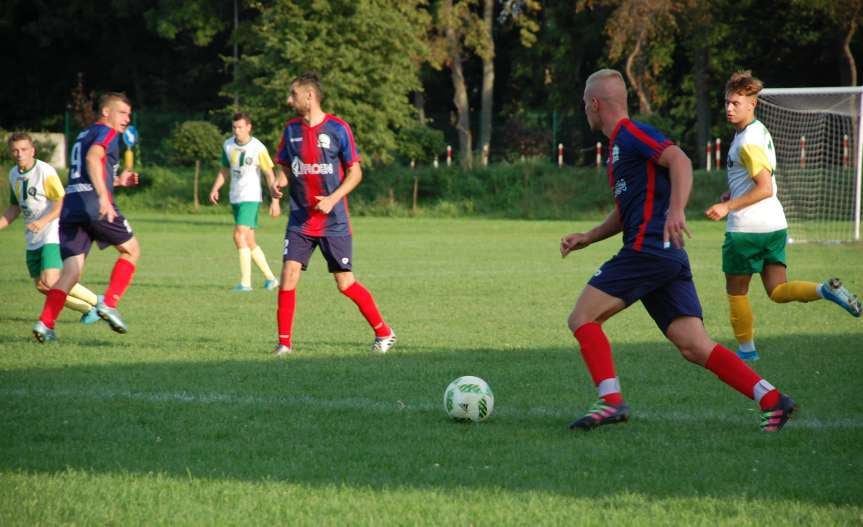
(818,136)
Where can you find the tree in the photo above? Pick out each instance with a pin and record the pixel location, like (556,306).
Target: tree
(196,141)
(846,15)
(367,53)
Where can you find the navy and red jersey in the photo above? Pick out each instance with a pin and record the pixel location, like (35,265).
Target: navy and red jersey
(641,187)
(81,197)
(317,158)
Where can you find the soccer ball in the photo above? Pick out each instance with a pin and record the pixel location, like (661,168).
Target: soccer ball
(468,399)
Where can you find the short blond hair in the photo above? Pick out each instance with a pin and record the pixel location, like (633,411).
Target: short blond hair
(20,136)
(603,74)
(744,83)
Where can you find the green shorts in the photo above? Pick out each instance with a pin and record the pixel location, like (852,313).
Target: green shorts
(45,257)
(748,252)
(246,213)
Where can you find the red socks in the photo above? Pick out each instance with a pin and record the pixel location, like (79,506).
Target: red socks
(363,299)
(285,315)
(735,373)
(54,301)
(596,352)
(120,278)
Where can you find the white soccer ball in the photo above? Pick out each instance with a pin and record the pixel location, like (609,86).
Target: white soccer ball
(468,399)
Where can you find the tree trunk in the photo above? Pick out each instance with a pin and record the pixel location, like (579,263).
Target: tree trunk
(485,112)
(702,103)
(459,99)
(420,105)
(643,102)
(851,76)
(197,174)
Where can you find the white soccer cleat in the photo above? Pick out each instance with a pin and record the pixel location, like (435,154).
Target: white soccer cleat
(384,344)
(281,350)
(832,290)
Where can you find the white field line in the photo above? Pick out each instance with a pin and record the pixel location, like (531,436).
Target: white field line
(395,407)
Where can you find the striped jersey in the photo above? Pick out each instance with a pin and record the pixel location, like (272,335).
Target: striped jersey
(641,187)
(245,163)
(35,191)
(317,158)
(81,197)
(751,152)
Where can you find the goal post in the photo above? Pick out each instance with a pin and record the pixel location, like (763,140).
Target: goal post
(818,137)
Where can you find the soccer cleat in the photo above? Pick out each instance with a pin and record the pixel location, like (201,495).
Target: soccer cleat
(748,355)
(111,316)
(90,317)
(269,285)
(833,291)
(774,418)
(602,413)
(384,344)
(240,288)
(43,333)
(281,350)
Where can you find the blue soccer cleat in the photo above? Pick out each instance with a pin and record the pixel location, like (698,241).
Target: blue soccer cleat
(269,285)
(90,317)
(833,291)
(602,413)
(751,356)
(111,316)
(43,333)
(240,288)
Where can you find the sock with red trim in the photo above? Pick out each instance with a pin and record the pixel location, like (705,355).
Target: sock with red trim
(285,315)
(121,276)
(734,372)
(596,352)
(54,301)
(363,299)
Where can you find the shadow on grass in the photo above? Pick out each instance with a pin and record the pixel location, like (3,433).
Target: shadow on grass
(367,420)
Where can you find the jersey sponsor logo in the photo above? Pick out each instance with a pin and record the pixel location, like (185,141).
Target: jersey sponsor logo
(619,187)
(324,141)
(301,168)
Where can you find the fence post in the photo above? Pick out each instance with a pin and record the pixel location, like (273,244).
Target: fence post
(435,163)
(448,155)
(560,154)
(709,155)
(802,151)
(485,155)
(598,155)
(718,152)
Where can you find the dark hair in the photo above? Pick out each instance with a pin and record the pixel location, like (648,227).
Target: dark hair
(743,83)
(241,115)
(108,97)
(20,136)
(310,78)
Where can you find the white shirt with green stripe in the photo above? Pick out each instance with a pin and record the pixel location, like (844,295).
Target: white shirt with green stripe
(35,191)
(245,163)
(751,152)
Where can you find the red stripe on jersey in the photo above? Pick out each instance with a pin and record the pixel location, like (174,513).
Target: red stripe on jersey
(648,205)
(353,145)
(310,154)
(104,144)
(646,139)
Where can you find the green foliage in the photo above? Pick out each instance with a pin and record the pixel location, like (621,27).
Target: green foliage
(195,141)
(420,143)
(367,53)
(44,148)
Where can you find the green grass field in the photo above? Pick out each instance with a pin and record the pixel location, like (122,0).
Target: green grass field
(187,419)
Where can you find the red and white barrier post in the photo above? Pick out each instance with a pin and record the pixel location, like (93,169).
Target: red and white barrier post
(598,155)
(448,155)
(709,155)
(802,151)
(845,151)
(560,154)
(485,155)
(718,152)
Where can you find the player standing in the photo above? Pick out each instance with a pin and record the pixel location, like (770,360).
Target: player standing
(89,214)
(756,231)
(38,193)
(246,158)
(319,153)
(651,179)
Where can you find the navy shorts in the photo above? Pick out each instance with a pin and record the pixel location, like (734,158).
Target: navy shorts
(338,250)
(663,285)
(78,232)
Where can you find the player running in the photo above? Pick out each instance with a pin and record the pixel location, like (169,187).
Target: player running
(651,179)
(319,153)
(246,158)
(89,214)
(756,231)
(38,193)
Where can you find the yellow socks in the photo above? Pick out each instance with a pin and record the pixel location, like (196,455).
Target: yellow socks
(245,267)
(795,292)
(741,318)
(81,299)
(261,262)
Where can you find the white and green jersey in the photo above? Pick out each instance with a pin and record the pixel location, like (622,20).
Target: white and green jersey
(35,191)
(245,163)
(751,152)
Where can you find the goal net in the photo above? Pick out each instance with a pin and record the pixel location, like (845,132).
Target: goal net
(818,140)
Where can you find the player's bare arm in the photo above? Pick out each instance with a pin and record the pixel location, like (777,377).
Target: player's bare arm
(275,207)
(281,181)
(94,166)
(217,184)
(680,173)
(579,240)
(53,214)
(9,215)
(763,189)
(126,178)
(326,203)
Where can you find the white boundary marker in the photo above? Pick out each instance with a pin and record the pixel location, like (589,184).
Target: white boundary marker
(368,405)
